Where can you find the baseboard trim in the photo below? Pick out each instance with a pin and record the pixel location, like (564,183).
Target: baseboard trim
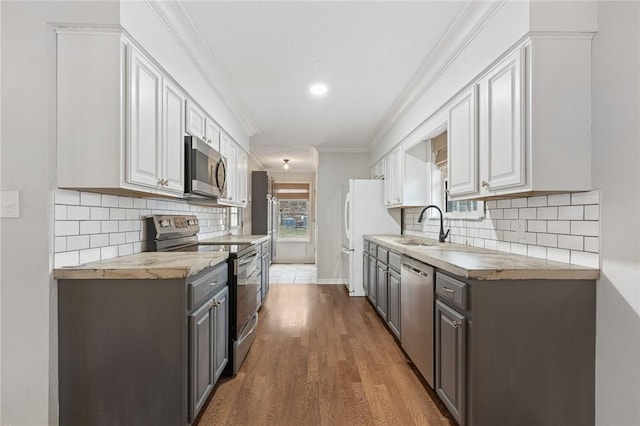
(330,281)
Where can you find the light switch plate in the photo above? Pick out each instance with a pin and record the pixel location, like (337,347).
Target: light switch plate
(9,204)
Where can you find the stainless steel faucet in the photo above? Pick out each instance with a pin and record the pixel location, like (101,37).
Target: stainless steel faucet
(443,235)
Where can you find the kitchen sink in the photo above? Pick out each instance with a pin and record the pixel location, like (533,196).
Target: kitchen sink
(417,243)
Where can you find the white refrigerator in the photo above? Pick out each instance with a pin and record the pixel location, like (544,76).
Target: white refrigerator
(364,213)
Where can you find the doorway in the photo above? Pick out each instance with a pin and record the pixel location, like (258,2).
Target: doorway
(295,237)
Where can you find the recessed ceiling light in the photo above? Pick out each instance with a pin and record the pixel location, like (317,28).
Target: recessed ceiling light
(318,89)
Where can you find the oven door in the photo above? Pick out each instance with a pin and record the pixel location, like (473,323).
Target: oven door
(248,283)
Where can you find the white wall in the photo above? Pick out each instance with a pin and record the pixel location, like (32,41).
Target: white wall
(334,169)
(29,299)
(298,251)
(616,155)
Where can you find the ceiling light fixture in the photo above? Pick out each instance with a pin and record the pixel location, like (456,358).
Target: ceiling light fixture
(318,89)
(286,165)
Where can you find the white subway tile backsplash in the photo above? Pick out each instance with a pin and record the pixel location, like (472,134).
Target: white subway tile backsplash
(65,196)
(592,212)
(492,204)
(109,200)
(591,197)
(537,251)
(570,242)
(571,213)
(558,255)
(77,242)
(90,227)
(503,246)
(511,213)
(68,258)
(78,213)
(559,200)
(536,226)
(93,226)
(519,202)
(99,240)
(559,227)
(591,244)
(89,255)
(504,225)
(536,201)
(547,240)
(585,259)
(519,249)
(90,199)
(66,227)
(585,228)
(504,204)
(547,213)
(491,244)
(527,213)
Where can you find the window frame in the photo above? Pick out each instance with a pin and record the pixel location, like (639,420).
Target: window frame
(308,238)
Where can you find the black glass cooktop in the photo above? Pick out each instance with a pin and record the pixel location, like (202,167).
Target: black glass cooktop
(205,248)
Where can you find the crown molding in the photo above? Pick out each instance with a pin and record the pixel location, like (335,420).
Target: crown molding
(343,149)
(561,35)
(464,28)
(176,19)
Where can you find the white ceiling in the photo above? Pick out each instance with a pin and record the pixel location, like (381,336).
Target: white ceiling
(366,52)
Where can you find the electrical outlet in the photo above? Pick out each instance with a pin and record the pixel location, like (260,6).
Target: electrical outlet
(9,204)
(520,228)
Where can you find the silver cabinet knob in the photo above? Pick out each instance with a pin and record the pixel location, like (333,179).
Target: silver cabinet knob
(456,324)
(485,184)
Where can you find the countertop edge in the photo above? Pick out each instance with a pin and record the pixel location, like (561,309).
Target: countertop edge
(571,272)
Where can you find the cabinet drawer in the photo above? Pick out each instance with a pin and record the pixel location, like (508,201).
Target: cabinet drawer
(373,249)
(452,290)
(383,254)
(365,246)
(204,285)
(265,247)
(395,261)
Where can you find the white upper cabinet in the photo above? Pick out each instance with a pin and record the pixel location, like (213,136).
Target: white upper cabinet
(228,149)
(212,133)
(173,104)
(377,171)
(243,171)
(405,176)
(195,124)
(144,144)
(462,144)
(502,110)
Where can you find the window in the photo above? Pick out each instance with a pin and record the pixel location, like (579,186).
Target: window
(439,184)
(294,207)
(234,217)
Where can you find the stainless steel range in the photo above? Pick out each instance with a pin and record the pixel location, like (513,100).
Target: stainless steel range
(180,233)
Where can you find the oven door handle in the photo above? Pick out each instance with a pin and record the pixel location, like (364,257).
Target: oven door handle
(248,259)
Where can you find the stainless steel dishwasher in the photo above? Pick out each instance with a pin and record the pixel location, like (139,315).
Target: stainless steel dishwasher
(416,313)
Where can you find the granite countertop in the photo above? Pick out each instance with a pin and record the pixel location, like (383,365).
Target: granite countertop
(483,264)
(146,265)
(235,239)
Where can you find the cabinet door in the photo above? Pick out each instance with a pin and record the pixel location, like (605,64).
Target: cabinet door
(451,356)
(373,281)
(228,150)
(243,170)
(388,180)
(393,310)
(144,142)
(195,124)
(201,373)
(398,176)
(503,100)
(381,281)
(212,133)
(173,103)
(462,145)
(365,272)
(220,332)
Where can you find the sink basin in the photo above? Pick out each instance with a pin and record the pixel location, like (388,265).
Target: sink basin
(417,243)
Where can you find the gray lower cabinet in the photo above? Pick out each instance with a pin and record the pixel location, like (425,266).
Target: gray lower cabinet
(393,310)
(365,272)
(450,348)
(373,280)
(140,351)
(381,282)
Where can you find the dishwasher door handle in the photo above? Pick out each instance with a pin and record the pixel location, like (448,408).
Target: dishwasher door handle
(415,270)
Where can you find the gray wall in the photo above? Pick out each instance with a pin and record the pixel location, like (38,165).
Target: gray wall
(334,169)
(616,154)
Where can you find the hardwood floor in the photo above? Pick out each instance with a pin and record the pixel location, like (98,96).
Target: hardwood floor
(322,358)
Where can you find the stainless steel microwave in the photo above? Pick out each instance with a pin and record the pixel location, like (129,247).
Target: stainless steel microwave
(205,170)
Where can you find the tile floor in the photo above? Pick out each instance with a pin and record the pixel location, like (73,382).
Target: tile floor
(280,273)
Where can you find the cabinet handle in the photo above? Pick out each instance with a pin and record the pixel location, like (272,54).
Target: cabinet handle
(485,184)
(213,284)
(456,323)
(161,182)
(448,290)
(215,304)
